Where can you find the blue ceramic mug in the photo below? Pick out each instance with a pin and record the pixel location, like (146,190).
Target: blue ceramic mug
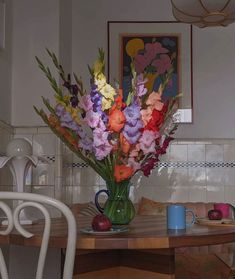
(176,217)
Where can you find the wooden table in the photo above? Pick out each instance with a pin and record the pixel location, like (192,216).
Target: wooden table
(147,249)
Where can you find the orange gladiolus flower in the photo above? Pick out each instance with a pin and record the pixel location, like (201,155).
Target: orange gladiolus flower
(116,120)
(70,139)
(125,145)
(53,121)
(118,102)
(122,172)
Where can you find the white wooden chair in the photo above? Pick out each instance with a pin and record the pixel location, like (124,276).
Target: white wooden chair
(39,202)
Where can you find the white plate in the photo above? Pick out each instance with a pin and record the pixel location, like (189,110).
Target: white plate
(113,230)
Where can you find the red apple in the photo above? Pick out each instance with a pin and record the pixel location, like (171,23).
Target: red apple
(101,223)
(215,214)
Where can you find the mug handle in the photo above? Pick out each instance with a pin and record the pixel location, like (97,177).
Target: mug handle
(193,217)
(97,204)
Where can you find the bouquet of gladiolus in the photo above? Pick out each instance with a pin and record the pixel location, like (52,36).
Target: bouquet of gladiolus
(116,136)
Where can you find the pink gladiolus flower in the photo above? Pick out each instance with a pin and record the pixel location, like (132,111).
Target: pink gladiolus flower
(147,141)
(92,119)
(100,137)
(135,152)
(154,100)
(103,150)
(147,148)
(86,103)
(133,164)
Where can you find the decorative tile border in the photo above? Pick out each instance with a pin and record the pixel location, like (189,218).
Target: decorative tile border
(173,165)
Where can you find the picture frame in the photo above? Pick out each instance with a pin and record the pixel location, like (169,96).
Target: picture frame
(121,31)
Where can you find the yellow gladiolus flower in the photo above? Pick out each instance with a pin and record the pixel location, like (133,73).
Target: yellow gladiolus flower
(106,104)
(108,92)
(100,81)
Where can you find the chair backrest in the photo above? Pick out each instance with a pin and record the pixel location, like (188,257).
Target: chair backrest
(40,202)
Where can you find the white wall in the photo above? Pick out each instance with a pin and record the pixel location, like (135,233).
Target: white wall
(5,67)
(36,25)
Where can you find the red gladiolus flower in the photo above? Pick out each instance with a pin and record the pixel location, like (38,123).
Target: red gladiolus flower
(149,165)
(155,122)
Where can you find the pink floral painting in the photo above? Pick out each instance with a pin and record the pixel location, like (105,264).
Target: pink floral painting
(153,57)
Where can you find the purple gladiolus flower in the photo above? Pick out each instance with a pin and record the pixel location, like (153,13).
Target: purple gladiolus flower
(100,137)
(103,150)
(65,117)
(133,123)
(86,143)
(74,101)
(86,103)
(132,137)
(147,141)
(140,89)
(132,114)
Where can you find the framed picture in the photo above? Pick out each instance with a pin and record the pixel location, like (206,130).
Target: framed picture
(175,38)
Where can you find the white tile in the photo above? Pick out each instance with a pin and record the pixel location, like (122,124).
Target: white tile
(76,159)
(215,176)
(214,152)
(229,194)
(180,194)
(67,193)
(44,144)
(44,130)
(58,165)
(68,159)
(137,179)
(25,130)
(229,152)
(44,174)
(76,176)
(196,152)
(28,137)
(89,177)
(178,176)
(67,177)
(154,178)
(196,176)
(161,194)
(197,193)
(229,176)
(58,188)
(215,193)
(179,152)
(44,190)
(83,194)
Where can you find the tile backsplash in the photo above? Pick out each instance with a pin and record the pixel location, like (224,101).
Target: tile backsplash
(192,170)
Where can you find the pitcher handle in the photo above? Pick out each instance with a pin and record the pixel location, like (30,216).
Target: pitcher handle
(97,204)
(193,217)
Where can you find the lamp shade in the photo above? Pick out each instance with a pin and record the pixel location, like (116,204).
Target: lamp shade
(204,13)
